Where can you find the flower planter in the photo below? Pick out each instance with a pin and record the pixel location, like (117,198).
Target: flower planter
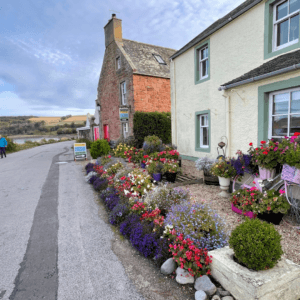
(171,177)
(271,217)
(157,176)
(143,166)
(210,179)
(249,214)
(290,174)
(224,186)
(266,173)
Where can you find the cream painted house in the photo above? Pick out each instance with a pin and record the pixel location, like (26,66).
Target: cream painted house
(238,81)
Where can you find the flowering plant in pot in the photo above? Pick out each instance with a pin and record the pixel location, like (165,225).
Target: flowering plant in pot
(272,206)
(266,158)
(204,164)
(155,169)
(244,200)
(170,169)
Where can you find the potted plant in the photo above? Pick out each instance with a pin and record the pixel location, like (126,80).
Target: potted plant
(155,169)
(225,171)
(170,169)
(243,200)
(289,150)
(205,164)
(266,158)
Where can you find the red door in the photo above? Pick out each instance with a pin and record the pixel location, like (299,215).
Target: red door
(106,132)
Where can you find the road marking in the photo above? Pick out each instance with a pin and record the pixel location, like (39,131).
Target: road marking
(38,274)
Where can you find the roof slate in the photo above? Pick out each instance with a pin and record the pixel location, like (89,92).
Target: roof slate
(280,62)
(141,55)
(217,25)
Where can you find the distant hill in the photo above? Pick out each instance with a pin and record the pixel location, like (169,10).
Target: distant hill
(52,121)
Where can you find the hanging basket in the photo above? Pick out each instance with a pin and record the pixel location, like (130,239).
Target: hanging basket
(290,174)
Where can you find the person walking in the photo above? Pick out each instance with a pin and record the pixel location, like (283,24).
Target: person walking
(3,145)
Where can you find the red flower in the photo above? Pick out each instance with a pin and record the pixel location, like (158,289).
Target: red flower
(296,133)
(265,152)
(263,142)
(269,208)
(251,144)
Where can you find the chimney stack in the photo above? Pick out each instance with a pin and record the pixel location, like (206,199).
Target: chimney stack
(113,30)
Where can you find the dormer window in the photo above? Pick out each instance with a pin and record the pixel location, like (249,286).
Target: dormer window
(118,63)
(159,59)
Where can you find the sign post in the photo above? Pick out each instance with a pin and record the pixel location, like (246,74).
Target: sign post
(80,151)
(124,114)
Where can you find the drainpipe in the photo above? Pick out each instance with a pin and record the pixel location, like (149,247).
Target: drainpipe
(175,104)
(228,123)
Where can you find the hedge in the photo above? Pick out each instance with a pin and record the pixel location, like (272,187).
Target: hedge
(152,123)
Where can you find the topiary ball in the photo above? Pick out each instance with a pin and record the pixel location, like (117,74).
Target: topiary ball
(256,244)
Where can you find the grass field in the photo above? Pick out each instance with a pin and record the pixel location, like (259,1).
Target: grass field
(52,121)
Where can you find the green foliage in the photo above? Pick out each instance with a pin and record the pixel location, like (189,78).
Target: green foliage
(223,168)
(155,167)
(11,146)
(87,141)
(99,148)
(256,244)
(152,123)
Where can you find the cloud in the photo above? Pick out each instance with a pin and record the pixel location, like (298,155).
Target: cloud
(51,52)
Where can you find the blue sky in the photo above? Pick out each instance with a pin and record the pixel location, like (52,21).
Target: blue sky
(51,51)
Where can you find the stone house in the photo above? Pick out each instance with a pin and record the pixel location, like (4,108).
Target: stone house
(134,77)
(238,81)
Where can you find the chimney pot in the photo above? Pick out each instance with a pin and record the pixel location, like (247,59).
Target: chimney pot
(113,15)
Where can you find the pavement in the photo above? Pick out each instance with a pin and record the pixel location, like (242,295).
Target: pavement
(53,242)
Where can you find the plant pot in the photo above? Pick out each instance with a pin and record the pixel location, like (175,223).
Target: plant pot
(156,176)
(224,186)
(143,165)
(249,214)
(171,177)
(210,179)
(266,173)
(271,217)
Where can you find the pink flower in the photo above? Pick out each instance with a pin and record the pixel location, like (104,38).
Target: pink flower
(275,149)
(282,192)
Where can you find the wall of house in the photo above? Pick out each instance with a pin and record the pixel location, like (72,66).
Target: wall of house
(109,95)
(235,49)
(151,94)
(244,108)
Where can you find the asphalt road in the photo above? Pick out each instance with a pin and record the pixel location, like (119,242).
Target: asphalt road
(53,245)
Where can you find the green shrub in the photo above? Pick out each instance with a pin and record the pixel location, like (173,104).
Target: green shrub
(99,148)
(87,141)
(152,123)
(11,146)
(256,244)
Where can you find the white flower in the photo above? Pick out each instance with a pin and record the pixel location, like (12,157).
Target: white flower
(148,185)
(126,192)
(154,180)
(142,180)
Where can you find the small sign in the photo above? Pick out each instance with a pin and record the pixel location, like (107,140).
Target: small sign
(124,114)
(80,150)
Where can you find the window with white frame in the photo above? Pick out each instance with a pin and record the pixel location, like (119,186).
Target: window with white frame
(125,129)
(203,62)
(286,23)
(159,59)
(118,63)
(123,93)
(284,113)
(204,128)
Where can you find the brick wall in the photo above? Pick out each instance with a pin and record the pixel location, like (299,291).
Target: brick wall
(109,95)
(151,94)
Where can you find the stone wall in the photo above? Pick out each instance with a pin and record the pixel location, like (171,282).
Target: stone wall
(188,167)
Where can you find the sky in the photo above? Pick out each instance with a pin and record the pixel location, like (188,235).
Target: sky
(51,52)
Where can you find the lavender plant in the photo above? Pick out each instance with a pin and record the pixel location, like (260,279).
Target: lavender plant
(199,223)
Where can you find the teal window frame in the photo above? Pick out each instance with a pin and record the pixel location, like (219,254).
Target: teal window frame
(263,104)
(268,33)
(196,55)
(197,131)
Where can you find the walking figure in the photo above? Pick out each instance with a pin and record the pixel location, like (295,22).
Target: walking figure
(3,145)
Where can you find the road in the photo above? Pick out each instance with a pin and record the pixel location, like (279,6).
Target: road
(53,244)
